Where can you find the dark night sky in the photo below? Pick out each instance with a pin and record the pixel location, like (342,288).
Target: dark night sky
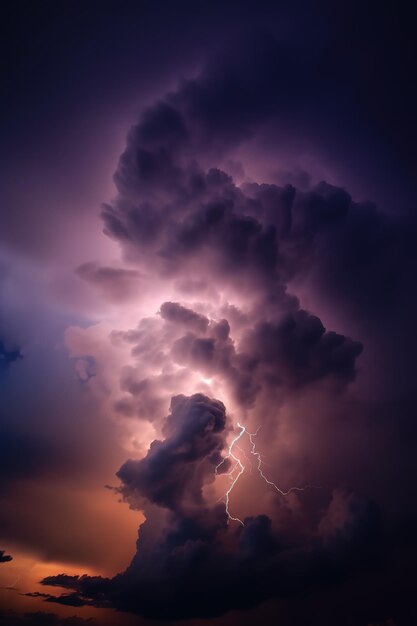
(208,231)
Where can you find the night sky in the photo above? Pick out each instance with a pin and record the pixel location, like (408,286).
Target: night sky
(208,261)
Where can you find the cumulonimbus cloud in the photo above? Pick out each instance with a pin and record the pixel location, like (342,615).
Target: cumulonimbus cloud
(219,258)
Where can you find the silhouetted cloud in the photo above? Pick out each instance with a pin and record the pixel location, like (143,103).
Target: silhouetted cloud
(8,355)
(41,618)
(174,312)
(189,561)
(222,258)
(4,558)
(268,294)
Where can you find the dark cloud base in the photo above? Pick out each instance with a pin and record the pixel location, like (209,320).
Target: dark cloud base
(41,618)
(5,558)
(189,561)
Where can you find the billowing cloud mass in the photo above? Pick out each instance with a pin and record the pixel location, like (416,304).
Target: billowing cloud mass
(220,265)
(190,561)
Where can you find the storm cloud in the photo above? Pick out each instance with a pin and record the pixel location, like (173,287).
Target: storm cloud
(225,263)
(255,295)
(190,561)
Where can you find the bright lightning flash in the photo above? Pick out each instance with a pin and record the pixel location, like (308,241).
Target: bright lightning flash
(234,476)
(238,469)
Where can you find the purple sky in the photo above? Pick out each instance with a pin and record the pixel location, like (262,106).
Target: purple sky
(208,232)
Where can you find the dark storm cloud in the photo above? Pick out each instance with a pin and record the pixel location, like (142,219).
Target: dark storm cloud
(160,176)
(313,75)
(198,218)
(172,208)
(189,561)
(174,470)
(174,312)
(180,216)
(298,350)
(69,599)
(8,355)
(5,558)
(41,618)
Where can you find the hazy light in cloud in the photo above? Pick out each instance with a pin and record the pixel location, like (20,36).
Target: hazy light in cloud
(200,313)
(202,305)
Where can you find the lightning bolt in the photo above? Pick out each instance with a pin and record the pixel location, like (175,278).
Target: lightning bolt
(238,469)
(234,477)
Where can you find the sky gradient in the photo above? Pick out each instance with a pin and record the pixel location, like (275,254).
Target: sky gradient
(207,325)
